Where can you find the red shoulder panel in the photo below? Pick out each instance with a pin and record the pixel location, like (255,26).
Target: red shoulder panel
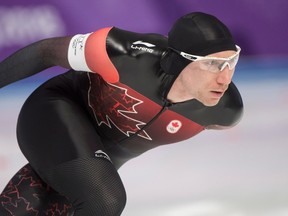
(97,58)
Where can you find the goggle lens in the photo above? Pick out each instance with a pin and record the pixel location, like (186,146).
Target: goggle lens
(213,64)
(217,65)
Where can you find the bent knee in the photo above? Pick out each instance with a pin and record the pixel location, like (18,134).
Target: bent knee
(93,185)
(108,204)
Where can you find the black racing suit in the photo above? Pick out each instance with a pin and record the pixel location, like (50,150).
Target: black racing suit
(76,128)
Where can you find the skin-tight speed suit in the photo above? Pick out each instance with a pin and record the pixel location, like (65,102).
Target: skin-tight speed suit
(78,128)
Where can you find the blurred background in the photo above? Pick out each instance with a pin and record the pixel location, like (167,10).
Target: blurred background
(237,172)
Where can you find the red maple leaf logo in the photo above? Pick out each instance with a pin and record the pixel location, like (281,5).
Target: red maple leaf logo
(175,124)
(112,104)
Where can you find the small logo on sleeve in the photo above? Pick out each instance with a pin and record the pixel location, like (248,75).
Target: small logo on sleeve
(78,43)
(101,154)
(174,126)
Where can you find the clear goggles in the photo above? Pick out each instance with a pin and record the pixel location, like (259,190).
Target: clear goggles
(213,64)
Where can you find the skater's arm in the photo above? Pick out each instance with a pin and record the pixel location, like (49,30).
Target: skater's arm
(34,58)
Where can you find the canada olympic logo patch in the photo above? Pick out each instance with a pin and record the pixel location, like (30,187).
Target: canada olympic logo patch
(174,126)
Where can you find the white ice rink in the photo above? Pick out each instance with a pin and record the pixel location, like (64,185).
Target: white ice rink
(242,171)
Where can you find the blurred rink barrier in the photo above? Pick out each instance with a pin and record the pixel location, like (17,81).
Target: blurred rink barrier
(237,172)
